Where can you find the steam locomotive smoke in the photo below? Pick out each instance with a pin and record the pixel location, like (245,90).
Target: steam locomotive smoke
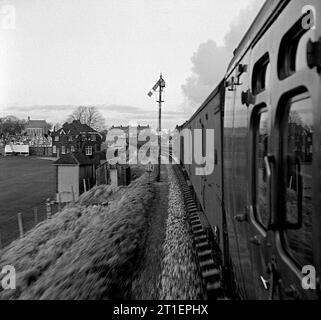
(210,60)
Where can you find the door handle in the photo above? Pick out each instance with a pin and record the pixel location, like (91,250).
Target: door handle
(266,283)
(267,160)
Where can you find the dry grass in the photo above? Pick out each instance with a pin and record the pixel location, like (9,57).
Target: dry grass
(87,251)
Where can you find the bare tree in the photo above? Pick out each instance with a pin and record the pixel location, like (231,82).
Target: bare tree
(11,126)
(57,126)
(90,116)
(78,114)
(295,117)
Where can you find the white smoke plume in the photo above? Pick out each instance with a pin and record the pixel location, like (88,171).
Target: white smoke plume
(210,61)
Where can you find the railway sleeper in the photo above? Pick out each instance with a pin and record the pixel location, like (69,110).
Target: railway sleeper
(204,255)
(208,264)
(196,232)
(195,222)
(203,245)
(200,238)
(214,290)
(191,205)
(197,227)
(214,273)
(204,249)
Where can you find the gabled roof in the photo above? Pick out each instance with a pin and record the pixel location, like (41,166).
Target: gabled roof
(36,124)
(75,158)
(74,128)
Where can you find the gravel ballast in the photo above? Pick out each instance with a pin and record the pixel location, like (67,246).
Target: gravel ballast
(179,279)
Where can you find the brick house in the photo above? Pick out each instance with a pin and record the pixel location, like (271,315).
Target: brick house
(75,137)
(37,128)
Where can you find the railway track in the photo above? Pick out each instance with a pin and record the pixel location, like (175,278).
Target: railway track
(206,250)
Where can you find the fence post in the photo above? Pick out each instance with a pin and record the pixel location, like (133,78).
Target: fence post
(85,187)
(72,194)
(35,210)
(20,224)
(48,209)
(59,202)
(0,241)
(105,170)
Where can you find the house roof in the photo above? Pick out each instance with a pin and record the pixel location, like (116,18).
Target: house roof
(75,158)
(75,128)
(36,124)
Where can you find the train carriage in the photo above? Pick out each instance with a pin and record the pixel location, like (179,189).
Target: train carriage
(265,192)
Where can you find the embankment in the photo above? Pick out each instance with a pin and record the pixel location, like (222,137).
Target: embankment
(87,251)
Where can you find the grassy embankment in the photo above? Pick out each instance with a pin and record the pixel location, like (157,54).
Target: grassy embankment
(87,251)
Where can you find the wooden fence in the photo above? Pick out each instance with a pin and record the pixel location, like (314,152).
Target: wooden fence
(25,222)
(102,174)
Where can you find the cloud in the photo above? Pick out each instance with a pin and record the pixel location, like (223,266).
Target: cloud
(241,24)
(120,108)
(70,108)
(210,61)
(209,65)
(113,113)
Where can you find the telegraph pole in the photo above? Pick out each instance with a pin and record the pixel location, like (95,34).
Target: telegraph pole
(159,127)
(160,85)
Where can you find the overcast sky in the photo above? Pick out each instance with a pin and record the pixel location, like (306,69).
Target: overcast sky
(109,53)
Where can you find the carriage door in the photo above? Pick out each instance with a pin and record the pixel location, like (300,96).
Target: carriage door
(259,214)
(296,181)
(296,197)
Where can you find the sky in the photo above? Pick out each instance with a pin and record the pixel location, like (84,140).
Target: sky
(109,53)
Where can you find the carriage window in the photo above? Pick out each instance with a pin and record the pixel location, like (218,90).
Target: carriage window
(297,157)
(301,56)
(292,53)
(261,147)
(261,74)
